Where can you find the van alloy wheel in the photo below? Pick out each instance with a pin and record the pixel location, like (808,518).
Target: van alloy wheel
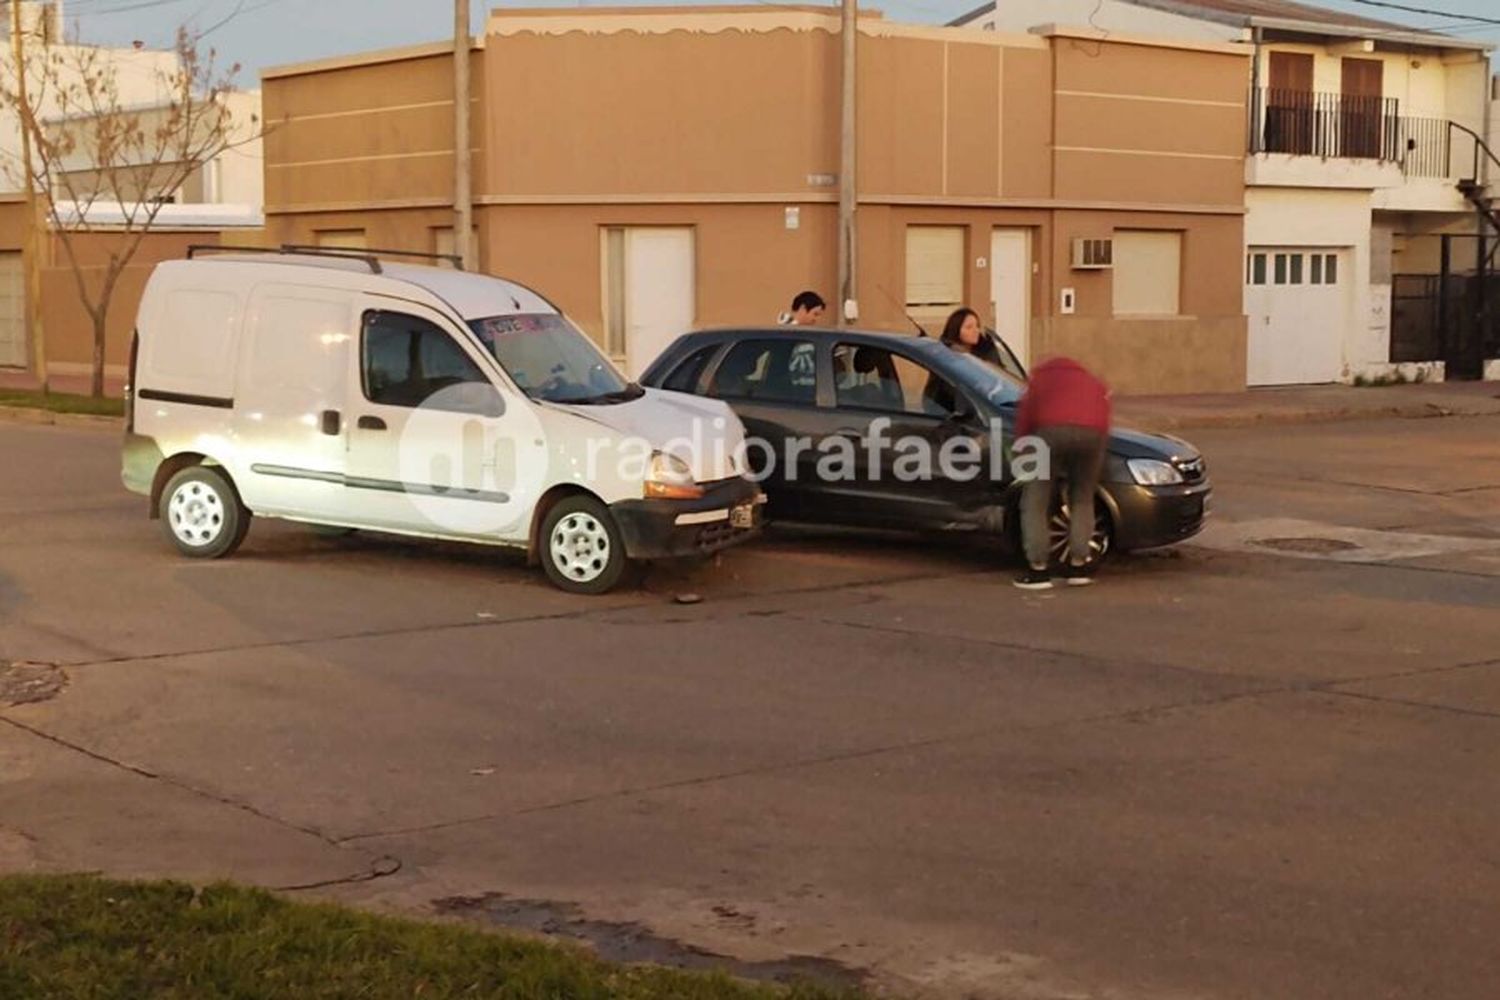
(580,547)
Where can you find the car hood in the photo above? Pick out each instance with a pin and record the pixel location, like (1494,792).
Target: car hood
(1127,443)
(705,433)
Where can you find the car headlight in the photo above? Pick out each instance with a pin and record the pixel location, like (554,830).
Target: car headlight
(670,478)
(1151,472)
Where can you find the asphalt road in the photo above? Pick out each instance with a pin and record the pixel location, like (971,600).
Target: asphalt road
(1261,765)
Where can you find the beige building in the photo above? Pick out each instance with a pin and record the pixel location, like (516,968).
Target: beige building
(1360,165)
(653,170)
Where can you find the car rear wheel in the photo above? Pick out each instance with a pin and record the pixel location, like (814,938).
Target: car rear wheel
(202,514)
(582,549)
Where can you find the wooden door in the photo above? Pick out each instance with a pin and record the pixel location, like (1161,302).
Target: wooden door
(1291,120)
(1361,112)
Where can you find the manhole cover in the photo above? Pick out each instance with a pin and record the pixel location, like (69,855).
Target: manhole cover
(29,683)
(1309,546)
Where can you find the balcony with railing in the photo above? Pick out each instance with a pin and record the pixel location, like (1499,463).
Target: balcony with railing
(1344,140)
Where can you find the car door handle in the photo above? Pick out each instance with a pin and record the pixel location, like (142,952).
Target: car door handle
(331,422)
(852,433)
(368,423)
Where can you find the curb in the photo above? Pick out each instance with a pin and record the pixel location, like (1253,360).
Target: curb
(1209,421)
(46,418)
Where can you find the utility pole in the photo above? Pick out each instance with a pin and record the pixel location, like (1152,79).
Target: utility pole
(31,246)
(848,35)
(463,185)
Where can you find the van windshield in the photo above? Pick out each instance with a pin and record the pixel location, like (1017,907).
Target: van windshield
(551,359)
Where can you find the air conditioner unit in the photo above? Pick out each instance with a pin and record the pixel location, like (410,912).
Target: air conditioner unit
(1093,255)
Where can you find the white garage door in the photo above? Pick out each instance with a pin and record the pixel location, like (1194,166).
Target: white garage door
(1298,304)
(12,311)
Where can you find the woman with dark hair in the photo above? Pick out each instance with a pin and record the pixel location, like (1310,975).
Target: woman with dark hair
(963,332)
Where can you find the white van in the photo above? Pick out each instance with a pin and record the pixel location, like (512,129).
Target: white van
(337,389)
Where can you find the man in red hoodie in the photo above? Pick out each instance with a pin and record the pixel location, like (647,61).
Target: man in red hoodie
(1068,408)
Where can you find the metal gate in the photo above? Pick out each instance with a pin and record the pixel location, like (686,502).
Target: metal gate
(1452,316)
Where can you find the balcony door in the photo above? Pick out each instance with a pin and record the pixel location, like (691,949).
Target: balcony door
(1360,117)
(1291,121)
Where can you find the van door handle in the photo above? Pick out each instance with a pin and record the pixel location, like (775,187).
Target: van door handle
(332,422)
(371,424)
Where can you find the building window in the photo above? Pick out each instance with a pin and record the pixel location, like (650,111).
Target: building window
(614,291)
(1315,261)
(444,244)
(934,272)
(1331,269)
(1281,268)
(340,239)
(1255,269)
(1147,273)
(1297,259)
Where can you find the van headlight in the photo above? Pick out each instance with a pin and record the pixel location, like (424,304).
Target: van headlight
(1151,472)
(670,478)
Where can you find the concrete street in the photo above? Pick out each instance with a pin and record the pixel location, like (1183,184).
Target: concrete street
(1262,765)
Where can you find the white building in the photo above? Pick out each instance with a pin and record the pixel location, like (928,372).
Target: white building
(236,177)
(1362,140)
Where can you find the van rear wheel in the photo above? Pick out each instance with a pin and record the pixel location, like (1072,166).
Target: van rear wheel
(202,514)
(582,551)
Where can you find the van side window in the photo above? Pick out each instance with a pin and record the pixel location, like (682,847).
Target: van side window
(406,361)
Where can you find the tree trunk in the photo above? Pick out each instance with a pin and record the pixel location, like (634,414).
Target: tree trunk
(96,384)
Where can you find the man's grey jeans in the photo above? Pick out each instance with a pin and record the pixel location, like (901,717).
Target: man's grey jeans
(1077,457)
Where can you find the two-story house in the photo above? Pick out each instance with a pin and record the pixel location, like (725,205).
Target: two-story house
(1366,182)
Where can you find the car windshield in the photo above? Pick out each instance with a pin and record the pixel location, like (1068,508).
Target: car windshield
(995,384)
(551,359)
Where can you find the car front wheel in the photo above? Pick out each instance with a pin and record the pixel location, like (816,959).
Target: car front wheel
(1101,542)
(582,551)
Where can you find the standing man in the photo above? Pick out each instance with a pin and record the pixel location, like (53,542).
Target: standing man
(1068,408)
(807,310)
(802,366)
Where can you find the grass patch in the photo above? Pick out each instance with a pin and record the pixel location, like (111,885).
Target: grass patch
(67,937)
(62,402)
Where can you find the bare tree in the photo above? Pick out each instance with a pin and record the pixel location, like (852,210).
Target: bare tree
(104,167)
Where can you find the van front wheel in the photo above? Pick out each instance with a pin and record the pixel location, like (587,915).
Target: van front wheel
(582,551)
(202,513)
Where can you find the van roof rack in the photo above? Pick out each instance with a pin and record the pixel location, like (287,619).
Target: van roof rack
(368,256)
(335,253)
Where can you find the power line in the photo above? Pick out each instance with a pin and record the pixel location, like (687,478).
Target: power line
(1429,12)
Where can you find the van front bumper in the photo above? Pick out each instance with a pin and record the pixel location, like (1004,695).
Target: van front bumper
(665,529)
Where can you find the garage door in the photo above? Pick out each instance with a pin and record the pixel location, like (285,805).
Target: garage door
(1297,302)
(12,311)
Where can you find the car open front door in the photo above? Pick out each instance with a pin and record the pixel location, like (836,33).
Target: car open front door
(921,457)
(432,440)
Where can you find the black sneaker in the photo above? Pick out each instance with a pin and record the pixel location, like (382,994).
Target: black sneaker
(1078,576)
(1034,579)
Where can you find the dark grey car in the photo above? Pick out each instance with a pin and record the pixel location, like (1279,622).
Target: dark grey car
(812,384)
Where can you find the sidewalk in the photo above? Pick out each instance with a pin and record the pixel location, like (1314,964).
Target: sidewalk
(1309,404)
(75,385)
(1295,405)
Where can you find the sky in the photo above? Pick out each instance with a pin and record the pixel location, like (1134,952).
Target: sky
(259,33)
